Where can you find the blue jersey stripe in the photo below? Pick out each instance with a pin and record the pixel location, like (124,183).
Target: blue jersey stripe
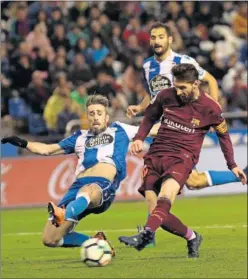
(90,157)
(154,69)
(68,144)
(177,59)
(120,150)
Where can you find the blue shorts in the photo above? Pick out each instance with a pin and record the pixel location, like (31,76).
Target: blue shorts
(108,194)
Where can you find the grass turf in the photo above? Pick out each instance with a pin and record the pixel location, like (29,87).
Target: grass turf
(221,220)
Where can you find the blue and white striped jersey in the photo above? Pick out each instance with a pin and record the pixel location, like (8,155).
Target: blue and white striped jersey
(157,75)
(110,146)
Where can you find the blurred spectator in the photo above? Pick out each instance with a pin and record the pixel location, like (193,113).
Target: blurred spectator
(53,107)
(94,13)
(59,39)
(104,86)
(58,66)
(76,10)
(20,27)
(117,45)
(107,65)
(127,12)
(21,73)
(24,48)
(216,66)
(188,36)
(204,16)
(96,30)
(240,21)
(56,18)
(244,54)
(98,51)
(38,39)
(133,46)
(188,12)
(66,115)
(131,79)
(79,70)
(177,43)
(5,65)
(134,28)
(81,47)
(42,18)
(75,34)
(106,25)
(173,10)
(5,94)
(38,93)
(80,96)
(41,62)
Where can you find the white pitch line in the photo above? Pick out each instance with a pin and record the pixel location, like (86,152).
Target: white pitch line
(133,230)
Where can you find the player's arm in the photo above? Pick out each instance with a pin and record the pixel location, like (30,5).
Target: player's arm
(145,102)
(213,85)
(226,145)
(152,114)
(34,147)
(134,110)
(154,131)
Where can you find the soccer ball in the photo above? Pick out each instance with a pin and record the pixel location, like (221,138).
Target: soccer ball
(96,252)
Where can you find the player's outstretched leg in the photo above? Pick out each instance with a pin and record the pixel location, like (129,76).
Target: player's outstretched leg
(197,181)
(161,216)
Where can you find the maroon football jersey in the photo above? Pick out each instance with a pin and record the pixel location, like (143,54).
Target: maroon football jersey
(184,125)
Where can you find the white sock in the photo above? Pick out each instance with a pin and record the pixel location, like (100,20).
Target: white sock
(192,236)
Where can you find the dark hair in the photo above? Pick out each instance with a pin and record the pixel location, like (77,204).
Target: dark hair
(97,99)
(185,72)
(159,24)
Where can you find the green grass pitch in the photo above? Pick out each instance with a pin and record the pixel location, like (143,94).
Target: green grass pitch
(221,220)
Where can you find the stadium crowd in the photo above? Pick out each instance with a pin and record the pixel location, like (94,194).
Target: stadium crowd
(55,54)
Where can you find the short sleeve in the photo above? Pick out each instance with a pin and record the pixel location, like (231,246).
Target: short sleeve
(68,144)
(190,60)
(130,130)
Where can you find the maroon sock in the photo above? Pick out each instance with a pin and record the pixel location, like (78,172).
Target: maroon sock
(159,214)
(173,225)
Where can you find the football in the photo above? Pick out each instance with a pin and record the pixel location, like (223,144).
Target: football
(96,252)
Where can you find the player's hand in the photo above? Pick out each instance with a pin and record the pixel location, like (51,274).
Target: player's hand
(136,147)
(15,141)
(240,174)
(133,111)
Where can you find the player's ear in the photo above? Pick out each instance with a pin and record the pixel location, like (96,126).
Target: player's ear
(170,39)
(107,118)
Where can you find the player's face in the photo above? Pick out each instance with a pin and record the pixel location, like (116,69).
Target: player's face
(186,91)
(97,118)
(159,41)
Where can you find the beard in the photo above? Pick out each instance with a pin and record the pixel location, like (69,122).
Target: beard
(187,98)
(162,51)
(97,131)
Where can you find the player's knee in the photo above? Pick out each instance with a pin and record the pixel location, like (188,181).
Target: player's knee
(50,241)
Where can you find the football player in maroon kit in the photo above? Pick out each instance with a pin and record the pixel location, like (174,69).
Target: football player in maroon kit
(188,114)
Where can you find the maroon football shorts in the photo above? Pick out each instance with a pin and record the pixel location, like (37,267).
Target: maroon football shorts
(157,169)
